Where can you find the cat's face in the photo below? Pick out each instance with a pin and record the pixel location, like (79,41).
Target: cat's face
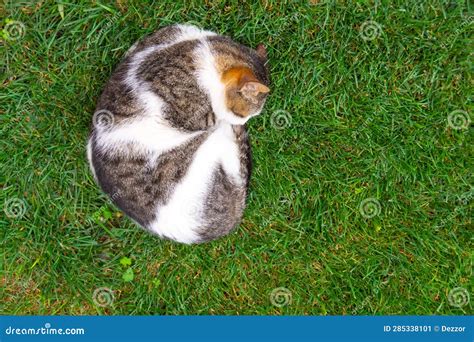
(245,94)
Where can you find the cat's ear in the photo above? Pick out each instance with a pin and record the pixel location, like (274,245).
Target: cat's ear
(262,51)
(251,89)
(254,87)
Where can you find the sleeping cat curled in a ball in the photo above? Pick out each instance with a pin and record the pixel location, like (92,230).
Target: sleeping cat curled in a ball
(169,143)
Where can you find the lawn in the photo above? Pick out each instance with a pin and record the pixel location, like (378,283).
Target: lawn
(361,193)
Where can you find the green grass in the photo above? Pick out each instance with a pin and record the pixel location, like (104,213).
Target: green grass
(363,119)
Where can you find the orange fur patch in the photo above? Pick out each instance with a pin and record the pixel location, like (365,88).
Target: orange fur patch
(238,76)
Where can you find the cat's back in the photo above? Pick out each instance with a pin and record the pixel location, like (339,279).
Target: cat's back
(157,77)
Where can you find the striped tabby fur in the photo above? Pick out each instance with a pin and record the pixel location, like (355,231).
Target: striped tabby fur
(174,152)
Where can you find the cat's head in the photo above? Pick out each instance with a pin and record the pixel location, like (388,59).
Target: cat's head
(245,94)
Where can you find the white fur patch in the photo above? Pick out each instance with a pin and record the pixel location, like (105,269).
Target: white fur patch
(148,135)
(131,49)
(183,213)
(190,32)
(89,158)
(209,79)
(187,32)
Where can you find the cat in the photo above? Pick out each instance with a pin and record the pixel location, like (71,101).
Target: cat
(168,142)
